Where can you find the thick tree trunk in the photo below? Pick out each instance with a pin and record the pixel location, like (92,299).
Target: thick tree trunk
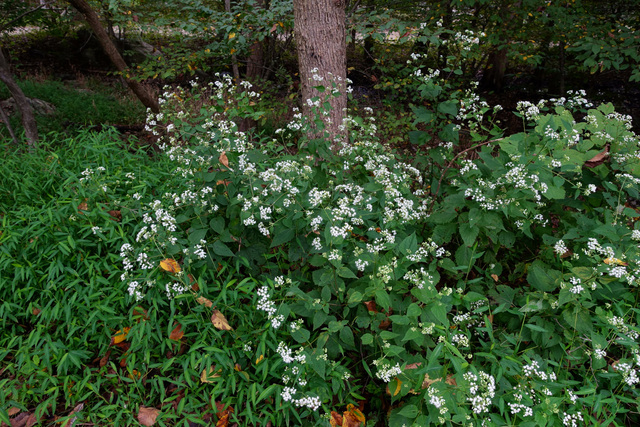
(255,62)
(319,28)
(493,76)
(148,99)
(22,103)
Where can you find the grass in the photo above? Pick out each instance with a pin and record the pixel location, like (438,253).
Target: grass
(77,106)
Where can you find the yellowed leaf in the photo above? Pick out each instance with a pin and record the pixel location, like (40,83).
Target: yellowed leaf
(231,35)
(494,277)
(170,265)
(260,359)
(615,261)
(208,376)
(398,387)
(147,416)
(120,336)
(219,321)
(177,333)
(223,414)
(223,159)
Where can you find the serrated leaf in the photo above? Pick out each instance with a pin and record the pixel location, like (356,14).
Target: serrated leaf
(221,249)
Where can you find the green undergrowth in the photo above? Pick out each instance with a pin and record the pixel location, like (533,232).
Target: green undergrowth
(76,107)
(230,277)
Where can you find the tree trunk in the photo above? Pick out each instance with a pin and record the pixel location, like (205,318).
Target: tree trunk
(493,76)
(145,96)
(319,29)
(22,103)
(255,62)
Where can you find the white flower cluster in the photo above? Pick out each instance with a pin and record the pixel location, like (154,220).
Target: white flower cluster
(482,389)
(421,279)
(386,372)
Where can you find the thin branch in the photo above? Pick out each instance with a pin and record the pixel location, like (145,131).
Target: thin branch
(19,17)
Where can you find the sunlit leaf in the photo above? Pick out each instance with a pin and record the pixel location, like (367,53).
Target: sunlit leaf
(208,375)
(120,336)
(615,261)
(223,159)
(170,265)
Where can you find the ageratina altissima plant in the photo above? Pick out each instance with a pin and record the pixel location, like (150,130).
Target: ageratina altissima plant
(506,299)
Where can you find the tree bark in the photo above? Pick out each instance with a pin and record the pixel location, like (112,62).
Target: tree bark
(255,62)
(22,103)
(319,29)
(145,96)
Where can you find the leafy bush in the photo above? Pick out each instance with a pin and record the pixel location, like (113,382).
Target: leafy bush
(498,288)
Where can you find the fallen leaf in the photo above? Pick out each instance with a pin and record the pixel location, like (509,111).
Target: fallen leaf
(336,419)
(275,26)
(177,333)
(615,261)
(72,421)
(208,376)
(147,416)
(260,359)
(219,321)
(35,311)
(20,420)
(120,336)
(371,306)
(194,283)
(231,35)
(223,159)
(494,277)
(105,359)
(117,215)
(134,374)
(352,417)
(598,159)
(83,207)
(204,301)
(223,414)
(170,265)
(12,411)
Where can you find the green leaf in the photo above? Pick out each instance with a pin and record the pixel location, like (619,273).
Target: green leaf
(301,335)
(409,411)
(448,107)
(346,335)
(221,249)
(535,327)
(414,310)
(283,236)
(382,299)
(355,297)
(468,233)
(409,245)
(346,272)
(217,224)
(367,339)
(543,278)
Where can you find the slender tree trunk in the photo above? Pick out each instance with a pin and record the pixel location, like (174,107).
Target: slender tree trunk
(7,122)
(144,95)
(22,103)
(319,28)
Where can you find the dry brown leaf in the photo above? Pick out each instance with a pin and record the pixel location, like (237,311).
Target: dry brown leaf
(35,311)
(120,336)
(177,333)
(371,306)
(352,417)
(219,321)
(71,421)
(336,419)
(20,420)
(494,277)
(275,26)
(12,411)
(117,215)
(598,159)
(194,283)
(83,207)
(147,416)
(204,301)
(170,265)
(223,159)
(208,376)
(223,414)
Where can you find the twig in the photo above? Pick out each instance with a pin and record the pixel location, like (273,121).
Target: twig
(8,25)
(434,195)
